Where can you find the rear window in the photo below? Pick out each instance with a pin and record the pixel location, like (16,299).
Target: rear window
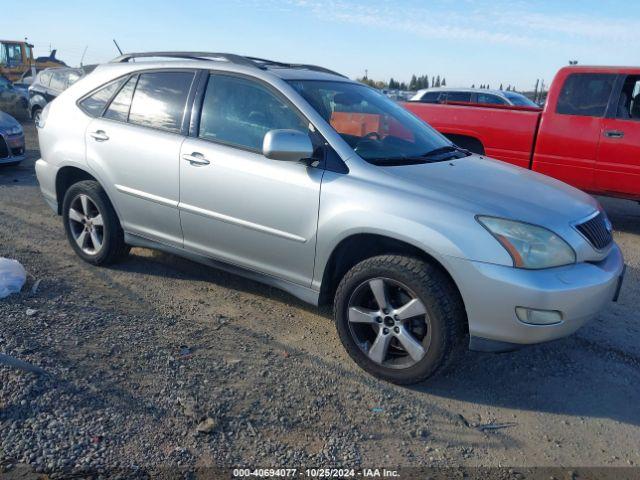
(585,94)
(58,81)
(95,103)
(44,78)
(159,100)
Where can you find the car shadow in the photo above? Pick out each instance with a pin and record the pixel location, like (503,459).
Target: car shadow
(574,376)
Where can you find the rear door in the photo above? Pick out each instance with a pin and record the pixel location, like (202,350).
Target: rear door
(568,138)
(135,147)
(237,205)
(618,164)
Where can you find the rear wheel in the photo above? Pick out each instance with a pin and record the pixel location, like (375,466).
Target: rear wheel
(91,224)
(400,318)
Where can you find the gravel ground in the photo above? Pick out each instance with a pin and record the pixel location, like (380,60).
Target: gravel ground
(161,366)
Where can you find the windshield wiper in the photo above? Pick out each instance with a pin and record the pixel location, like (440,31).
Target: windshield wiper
(446,149)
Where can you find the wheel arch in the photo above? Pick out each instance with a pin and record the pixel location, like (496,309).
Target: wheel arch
(469,142)
(360,246)
(68,176)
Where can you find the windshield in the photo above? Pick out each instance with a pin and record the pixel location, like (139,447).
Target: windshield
(520,100)
(378,129)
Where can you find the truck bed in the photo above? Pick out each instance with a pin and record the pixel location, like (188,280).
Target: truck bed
(505,132)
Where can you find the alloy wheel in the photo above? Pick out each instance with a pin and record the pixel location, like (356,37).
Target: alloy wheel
(389,323)
(86,224)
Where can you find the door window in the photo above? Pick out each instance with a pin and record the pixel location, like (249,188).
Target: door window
(629,101)
(585,94)
(458,97)
(159,100)
(490,99)
(240,112)
(94,104)
(119,107)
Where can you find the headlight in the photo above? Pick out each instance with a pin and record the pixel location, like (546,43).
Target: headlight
(530,246)
(17,130)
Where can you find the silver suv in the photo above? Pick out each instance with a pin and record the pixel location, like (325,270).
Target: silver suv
(303,179)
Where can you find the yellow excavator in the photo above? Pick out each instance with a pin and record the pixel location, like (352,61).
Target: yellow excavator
(17,62)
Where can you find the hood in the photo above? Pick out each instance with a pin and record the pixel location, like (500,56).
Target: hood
(7,121)
(489,187)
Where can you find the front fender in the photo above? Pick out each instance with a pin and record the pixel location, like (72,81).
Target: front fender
(350,206)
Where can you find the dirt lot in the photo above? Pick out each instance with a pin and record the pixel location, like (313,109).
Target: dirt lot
(141,353)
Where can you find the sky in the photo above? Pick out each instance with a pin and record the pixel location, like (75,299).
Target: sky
(466,41)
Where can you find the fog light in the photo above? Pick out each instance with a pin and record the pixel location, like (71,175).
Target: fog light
(538,317)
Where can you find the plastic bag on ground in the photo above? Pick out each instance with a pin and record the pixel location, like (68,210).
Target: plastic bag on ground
(12,277)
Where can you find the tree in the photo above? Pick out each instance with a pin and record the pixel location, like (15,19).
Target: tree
(501,87)
(413,84)
(473,86)
(438,81)
(444,82)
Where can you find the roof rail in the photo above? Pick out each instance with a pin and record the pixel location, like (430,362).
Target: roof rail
(231,58)
(255,62)
(303,66)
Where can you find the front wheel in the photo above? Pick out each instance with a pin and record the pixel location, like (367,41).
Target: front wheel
(91,224)
(400,318)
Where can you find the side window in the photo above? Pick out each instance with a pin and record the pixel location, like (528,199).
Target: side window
(585,94)
(119,107)
(94,104)
(44,78)
(159,100)
(58,81)
(490,99)
(458,97)
(240,112)
(430,97)
(629,102)
(72,78)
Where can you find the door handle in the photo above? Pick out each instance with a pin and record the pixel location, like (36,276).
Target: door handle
(99,136)
(196,158)
(614,133)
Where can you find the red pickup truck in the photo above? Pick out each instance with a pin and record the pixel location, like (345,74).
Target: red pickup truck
(587,134)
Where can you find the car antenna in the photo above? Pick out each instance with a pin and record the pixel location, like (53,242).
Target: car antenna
(118,46)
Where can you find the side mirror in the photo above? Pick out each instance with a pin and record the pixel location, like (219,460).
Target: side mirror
(287,145)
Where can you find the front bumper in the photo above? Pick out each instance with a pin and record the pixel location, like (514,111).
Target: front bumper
(491,294)
(12,148)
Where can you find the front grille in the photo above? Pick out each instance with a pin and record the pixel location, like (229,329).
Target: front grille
(4,149)
(595,230)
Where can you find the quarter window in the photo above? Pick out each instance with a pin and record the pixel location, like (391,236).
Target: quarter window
(94,104)
(585,94)
(119,107)
(159,100)
(241,112)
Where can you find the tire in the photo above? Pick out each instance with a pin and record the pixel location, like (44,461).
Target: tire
(35,114)
(88,201)
(440,332)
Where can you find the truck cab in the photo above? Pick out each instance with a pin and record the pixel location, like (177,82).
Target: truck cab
(589,133)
